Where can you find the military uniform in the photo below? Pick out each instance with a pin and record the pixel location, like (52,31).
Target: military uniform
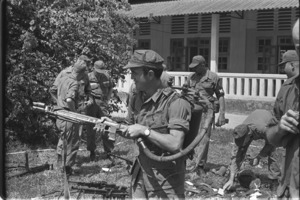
(207,86)
(163,111)
(258,122)
(100,88)
(164,114)
(288,98)
(67,87)
(68,71)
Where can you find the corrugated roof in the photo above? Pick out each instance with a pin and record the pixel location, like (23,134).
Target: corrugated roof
(182,7)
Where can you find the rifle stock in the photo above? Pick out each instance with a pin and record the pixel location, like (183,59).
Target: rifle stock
(70,116)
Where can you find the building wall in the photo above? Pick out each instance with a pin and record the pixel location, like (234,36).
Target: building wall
(237,46)
(243,35)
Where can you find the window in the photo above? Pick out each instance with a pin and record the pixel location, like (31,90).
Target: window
(264,54)
(198,46)
(224,49)
(177,59)
(263,44)
(144,44)
(284,43)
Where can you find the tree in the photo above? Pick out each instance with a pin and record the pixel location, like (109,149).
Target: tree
(46,36)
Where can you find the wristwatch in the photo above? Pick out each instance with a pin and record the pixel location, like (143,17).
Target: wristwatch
(147,132)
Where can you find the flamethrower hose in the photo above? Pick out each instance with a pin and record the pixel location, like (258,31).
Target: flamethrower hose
(205,123)
(84,119)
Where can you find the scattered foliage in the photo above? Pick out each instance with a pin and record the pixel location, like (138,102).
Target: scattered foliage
(43,37)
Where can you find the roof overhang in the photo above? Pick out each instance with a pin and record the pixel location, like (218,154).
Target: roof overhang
(187,7)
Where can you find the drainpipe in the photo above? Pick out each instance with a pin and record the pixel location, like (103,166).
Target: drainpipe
(214,48)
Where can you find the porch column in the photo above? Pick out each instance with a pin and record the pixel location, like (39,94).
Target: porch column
(214,48)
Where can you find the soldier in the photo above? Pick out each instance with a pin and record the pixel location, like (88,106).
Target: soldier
(290,63)
(67,98)
(286,132)
(157,106)
(206,83)
(101,90)
(68,70)
(84,98)
(253,128)
(166,80)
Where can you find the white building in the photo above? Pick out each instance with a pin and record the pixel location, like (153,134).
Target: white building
(242,40)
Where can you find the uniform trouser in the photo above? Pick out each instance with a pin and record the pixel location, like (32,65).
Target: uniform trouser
(201,159)
(294,180)
(269,151)
(292,190)
(71,133)
(95,111)
(138,189)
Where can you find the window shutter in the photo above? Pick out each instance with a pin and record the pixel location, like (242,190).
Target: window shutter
(177,26)
(284,19)
(225,24)
(193,21)
(205,23)
(265,20)
(144,26)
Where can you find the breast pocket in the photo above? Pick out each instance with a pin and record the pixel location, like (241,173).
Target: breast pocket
(156,119)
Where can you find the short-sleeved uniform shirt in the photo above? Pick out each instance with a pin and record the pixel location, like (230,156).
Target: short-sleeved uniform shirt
(162,112)
(288,98)
(207,86)
(68,71)
(67,88)
(258,122)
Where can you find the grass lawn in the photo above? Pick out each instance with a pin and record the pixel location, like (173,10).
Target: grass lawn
(49,183)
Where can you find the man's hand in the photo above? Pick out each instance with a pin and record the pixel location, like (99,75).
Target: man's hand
(221,120)
(289,122)
(228,185)
(134,131)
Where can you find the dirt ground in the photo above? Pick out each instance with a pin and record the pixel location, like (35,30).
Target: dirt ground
(48,184)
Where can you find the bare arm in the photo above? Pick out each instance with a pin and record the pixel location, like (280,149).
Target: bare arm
(170,142)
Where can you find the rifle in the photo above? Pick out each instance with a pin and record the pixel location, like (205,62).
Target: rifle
(199,129)
(33,170)
(102,188)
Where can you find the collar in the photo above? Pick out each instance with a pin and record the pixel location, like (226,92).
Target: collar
(161,91)
(206,76)
(155,96)
(292,80)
